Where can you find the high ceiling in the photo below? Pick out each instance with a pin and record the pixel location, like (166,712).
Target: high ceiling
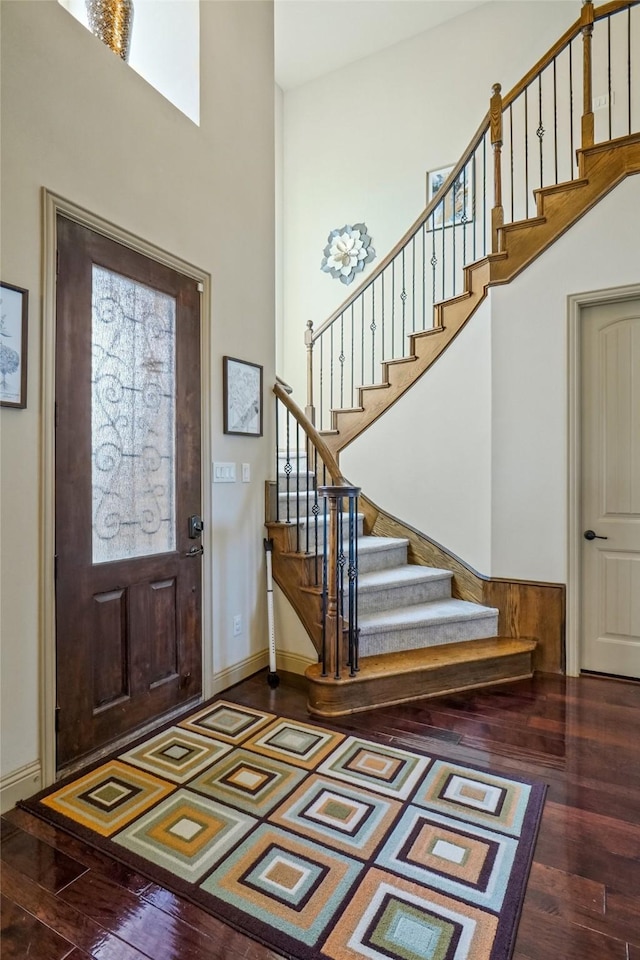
(314,37)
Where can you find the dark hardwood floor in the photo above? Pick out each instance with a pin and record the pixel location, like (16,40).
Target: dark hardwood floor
(582,736)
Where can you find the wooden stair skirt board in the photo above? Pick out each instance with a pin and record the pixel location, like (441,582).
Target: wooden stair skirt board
(391,678)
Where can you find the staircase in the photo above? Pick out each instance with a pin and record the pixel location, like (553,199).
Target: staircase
(415,638)
(388,630)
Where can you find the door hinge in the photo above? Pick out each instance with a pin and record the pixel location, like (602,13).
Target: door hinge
(57,262)
(55,577)
(57,719)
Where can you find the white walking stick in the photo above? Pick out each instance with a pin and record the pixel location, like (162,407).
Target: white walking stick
(272,677)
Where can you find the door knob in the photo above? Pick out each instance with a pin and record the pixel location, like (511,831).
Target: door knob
(592,535)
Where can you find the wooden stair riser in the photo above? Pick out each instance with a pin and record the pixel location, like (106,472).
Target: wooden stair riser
(389,680)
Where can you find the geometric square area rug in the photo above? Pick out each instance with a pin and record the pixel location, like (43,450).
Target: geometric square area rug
(316,844)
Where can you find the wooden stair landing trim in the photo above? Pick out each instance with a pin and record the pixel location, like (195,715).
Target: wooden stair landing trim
(392,678)
(559,206)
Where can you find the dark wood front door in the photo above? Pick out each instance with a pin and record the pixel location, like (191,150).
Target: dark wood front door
(128,582)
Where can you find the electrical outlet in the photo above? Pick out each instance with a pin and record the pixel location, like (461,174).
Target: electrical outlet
(237,625)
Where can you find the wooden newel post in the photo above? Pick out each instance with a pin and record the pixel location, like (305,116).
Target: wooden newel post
(497,213)
(308,339)
(586,15)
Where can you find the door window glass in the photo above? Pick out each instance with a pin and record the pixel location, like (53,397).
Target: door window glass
(132,418)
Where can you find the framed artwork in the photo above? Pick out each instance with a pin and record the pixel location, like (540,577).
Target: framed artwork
(242,385)
(14,314)
(457,205)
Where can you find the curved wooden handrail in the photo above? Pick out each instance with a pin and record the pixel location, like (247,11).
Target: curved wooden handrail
(325,453)
(404,240)
(606,10)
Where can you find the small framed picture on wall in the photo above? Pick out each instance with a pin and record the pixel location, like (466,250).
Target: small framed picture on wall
(14,317)
(242,384)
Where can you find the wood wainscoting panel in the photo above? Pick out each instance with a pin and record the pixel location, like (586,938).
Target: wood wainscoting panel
(530,609)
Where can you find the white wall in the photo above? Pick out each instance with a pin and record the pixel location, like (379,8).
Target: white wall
(427,461)
(165,47)
(529,319)
(359,141)
(475,454)
(79,121)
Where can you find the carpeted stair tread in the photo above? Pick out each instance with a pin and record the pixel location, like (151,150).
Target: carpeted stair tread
(394,576)
(373,544)
(401,586)
(427,614)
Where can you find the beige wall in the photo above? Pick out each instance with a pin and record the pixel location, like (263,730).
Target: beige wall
(78,121)
(359,141)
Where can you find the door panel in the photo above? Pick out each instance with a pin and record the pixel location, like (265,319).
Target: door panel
(611,488)
(128,597)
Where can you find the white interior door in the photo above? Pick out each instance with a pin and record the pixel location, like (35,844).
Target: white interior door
(610,405)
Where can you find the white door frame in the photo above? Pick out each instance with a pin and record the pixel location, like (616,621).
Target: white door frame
(576,304)
(52,206)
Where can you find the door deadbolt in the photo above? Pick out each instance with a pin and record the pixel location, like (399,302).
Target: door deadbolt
(196,526)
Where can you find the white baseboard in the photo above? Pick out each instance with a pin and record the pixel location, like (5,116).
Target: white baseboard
(289,662)
(293,662)
(19,785)
(239,671)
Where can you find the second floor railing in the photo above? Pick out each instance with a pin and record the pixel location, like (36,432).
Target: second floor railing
(528,140)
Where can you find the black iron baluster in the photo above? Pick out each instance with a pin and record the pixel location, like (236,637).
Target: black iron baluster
(325,584)
(484,196)
(373,328)
(287,466)
(403,297)
(629,88)
(434,259)
(413,283)
(339,585)
(393,308)
(571,121)
(353,355)
(474,181)
(297,487)
(353,583)
(454,230)
(307,490)
(331,400)
(526,155)
(443,294)
(361,340)
(609,70)
(465,218)
(321,378)
(382,314)
(511,157)
(315,511)
(540,130)
(342,358)
(424,276)
(555,120)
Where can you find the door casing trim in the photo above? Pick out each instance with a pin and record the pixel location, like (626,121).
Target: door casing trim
(52,205)
(576,303)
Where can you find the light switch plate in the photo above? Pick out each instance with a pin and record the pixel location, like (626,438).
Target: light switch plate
(224,472)
(246,472)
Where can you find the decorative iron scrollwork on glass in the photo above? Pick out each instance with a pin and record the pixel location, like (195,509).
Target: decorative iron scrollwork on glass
(132,418)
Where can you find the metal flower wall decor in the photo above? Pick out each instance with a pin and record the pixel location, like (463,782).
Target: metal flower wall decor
(347,251)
